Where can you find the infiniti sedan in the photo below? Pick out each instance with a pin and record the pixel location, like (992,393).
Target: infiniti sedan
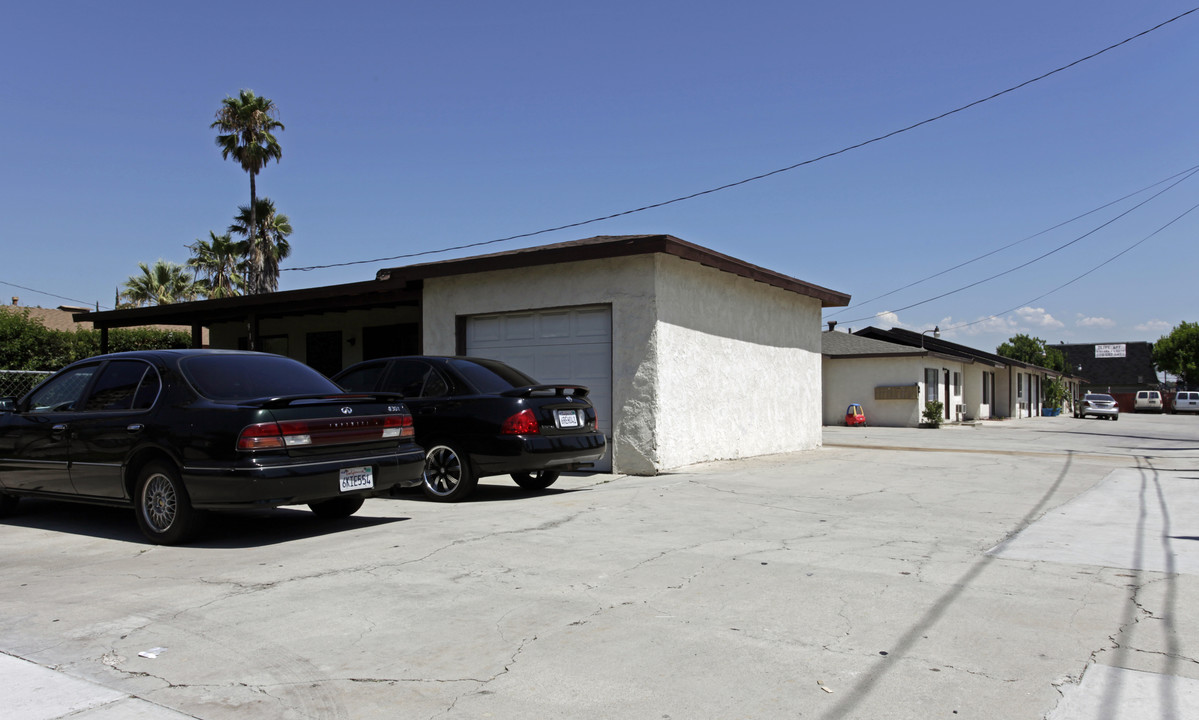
(174,432)
(477,417)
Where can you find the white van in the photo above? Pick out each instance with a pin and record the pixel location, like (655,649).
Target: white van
(1186,401)
(1148,401)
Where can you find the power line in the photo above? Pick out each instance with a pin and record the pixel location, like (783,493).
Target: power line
(1063,246)
(762,176)
(1009,245)
(1080,277)
(43,292)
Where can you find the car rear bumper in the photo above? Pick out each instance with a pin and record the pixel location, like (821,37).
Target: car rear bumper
(1104,412)
(297,481)
(515,453)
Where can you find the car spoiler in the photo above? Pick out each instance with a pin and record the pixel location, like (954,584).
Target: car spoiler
(280,401)
(579,391)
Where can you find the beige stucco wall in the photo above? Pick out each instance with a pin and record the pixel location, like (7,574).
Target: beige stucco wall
(626,284)
(852,380)
(706,364)
(740,366)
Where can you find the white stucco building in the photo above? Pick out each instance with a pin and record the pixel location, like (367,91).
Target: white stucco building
(893,373)
(691,355)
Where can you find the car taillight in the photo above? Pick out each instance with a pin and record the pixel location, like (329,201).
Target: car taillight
(522,423)
(299,433)
(398,426)
(261,436)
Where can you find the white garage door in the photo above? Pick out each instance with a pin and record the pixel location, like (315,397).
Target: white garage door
(563,346)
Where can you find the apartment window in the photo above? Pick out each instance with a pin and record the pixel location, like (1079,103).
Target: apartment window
(931,376)
(957,383)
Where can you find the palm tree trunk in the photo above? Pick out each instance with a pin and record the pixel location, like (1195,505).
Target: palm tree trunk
(255,269)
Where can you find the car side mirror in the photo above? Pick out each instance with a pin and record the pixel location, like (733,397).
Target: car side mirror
(8,404)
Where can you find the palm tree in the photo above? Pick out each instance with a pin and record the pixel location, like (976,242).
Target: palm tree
(246,123)
(162,284)
(267,249)
(221,263)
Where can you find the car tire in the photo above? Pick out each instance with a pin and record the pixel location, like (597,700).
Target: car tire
(8,504)
(449,475)
(164,511)
(337,508)
(536,479)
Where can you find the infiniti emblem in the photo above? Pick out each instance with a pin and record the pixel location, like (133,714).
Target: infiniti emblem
(347,410)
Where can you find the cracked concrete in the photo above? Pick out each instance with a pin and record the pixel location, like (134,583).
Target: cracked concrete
(959,574)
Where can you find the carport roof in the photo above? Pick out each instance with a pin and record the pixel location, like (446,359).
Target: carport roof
(403,285)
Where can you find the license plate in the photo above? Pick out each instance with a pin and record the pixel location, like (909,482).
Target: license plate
(568,419)
(357,478)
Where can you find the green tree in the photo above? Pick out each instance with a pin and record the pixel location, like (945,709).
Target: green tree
(267,249)
(246,125)
(162,284)
(219,265)
(1033,351)
(1178,353)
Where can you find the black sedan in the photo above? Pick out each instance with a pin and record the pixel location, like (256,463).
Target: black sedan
(477,417)
(174,432)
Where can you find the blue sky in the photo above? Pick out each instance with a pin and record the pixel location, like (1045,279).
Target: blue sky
(419,126)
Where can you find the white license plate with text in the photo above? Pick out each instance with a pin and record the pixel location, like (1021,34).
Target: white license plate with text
(568,419)
(357,478)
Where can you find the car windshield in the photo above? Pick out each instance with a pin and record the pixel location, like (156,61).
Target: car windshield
(1101,398)
(241,377)
(491,377)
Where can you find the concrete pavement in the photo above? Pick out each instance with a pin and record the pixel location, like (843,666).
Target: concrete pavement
(1039,568)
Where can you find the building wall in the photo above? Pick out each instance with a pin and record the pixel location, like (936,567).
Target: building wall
(695,353)
(739,368)
(626,284)
(852,380)
(292,331)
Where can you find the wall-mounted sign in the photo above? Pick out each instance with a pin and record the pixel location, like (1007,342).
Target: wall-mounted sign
(1110,351)
(897,392)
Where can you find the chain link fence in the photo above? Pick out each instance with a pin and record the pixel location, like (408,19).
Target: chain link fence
(18,382)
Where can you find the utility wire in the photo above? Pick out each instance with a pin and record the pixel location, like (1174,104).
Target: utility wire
(762,176)
(1080,277)
(1063,246)
(1009,245)
(43,292)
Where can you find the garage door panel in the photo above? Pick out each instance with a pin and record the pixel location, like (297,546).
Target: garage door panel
(594,324)
(487,329)
(554,326)
(570,346)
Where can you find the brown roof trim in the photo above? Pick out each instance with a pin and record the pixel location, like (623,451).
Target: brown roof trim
(611,246)
(404,284)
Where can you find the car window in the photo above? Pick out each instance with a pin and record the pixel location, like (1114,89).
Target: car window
(62,392)
(118,384)
(413,378)
(491,377)
(246,376)
(364,378)
(1101,398)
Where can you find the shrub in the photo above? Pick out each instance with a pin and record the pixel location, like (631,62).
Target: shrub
(932,413)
